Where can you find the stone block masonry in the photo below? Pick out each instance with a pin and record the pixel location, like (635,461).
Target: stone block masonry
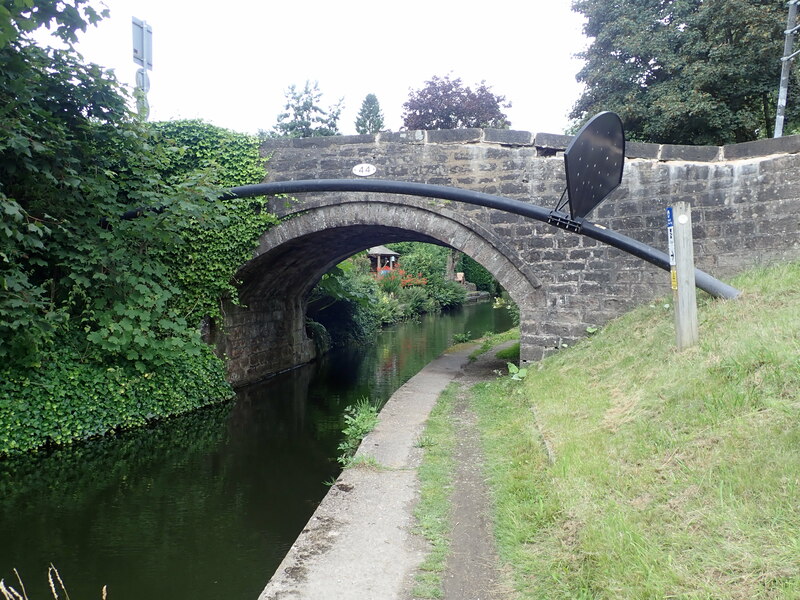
(745,205)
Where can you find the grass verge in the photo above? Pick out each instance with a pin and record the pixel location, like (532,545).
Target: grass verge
(436,479)
(673,475)
(510,354)
(490,341)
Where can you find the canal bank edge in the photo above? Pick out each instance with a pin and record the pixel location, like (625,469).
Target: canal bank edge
(359,544)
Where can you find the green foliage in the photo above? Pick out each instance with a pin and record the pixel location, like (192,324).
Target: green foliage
(18,17)
(445,103)
(304,117)
(476,273)
(460,338)
(344,302)
(232,158)
(359,419)
(516,373)
(429,260)
(388,310)
(509,354)
(319,335)
(446,294)
(415,300)
(69,398)
(204,264)
(351,303)
(489,341)
(370,117)
(390,281)
(685,72)
(125,294)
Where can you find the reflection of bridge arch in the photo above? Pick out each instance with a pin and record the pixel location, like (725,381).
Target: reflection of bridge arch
(268,334)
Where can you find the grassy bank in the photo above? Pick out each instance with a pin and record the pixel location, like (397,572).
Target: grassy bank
(621,468)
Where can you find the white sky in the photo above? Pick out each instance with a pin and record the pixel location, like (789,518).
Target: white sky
(230,62)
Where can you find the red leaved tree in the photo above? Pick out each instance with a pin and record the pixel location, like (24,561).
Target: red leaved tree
(445,103)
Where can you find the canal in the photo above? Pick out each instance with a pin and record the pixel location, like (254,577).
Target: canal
(206,505)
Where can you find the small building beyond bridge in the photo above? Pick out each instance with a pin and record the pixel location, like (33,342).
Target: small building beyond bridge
(382,259)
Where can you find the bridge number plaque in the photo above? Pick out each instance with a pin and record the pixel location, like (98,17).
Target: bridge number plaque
(364,170)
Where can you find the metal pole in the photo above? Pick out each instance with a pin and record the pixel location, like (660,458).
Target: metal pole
(655,257)
(786,67)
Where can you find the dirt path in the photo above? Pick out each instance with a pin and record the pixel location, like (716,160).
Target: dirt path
(472,571)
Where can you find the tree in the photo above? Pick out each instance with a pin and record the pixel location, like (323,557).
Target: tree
(684,71)
(304,117)
(72,158)
(370,117)
(445,103)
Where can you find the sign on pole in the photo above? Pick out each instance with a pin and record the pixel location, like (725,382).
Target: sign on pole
(142,44)
(681,261)
(142,56)
(673,271)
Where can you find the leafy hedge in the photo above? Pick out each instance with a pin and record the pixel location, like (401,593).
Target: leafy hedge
(98,313)
(67,399)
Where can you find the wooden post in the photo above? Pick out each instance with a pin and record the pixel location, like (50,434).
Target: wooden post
(681,260)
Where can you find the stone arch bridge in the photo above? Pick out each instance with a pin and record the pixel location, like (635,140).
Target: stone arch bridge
(746,211)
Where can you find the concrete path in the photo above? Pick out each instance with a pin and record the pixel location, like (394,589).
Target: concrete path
(359,543)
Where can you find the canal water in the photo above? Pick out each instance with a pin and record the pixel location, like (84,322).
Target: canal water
(205,506)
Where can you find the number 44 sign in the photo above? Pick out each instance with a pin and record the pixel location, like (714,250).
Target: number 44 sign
(364,170)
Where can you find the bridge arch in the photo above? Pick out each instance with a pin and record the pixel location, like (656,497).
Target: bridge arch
(266,333)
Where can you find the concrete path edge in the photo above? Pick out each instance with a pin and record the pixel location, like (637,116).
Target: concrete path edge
(359,543)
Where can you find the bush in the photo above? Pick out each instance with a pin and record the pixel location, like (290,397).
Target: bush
(387,309)
(415,300)
(68,398)
(390,281)
(475,273)
(446,294)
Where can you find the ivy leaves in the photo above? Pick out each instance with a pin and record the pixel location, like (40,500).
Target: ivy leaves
(73,159)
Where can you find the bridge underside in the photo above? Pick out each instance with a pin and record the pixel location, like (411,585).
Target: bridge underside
(266,332)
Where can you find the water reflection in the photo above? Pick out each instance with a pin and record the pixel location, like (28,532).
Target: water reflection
(206,505)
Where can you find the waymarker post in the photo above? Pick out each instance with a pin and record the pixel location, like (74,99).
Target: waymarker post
(681,261)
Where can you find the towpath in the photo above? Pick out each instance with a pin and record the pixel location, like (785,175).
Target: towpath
(360,543)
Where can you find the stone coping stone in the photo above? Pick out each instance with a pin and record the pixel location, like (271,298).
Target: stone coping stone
(402,137)
(690,153)
(642,150)
(549,141)
(789,144)
(454,136)
(552,140)
(508,137)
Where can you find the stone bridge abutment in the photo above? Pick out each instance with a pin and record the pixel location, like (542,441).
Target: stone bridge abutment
(745,202)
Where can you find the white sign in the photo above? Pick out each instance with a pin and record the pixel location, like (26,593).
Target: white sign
(364,170)
(671,237)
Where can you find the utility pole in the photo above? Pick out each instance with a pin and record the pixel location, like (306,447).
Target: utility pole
(786,68)
(142,56)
